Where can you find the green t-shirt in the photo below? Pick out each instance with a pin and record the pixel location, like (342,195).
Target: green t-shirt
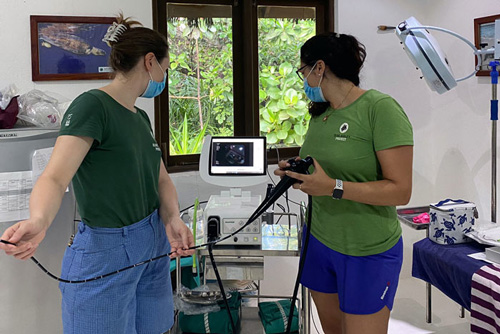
(117,183)
(345,146)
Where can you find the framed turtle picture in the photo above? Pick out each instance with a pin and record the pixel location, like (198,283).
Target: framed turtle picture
(69,48)
(484,39)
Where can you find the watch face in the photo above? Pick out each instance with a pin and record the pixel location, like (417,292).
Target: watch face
(337,193)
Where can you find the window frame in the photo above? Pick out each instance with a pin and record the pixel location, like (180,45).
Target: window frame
(245,69)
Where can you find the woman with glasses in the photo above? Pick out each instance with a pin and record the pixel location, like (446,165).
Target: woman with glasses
(125,197)
(362,145)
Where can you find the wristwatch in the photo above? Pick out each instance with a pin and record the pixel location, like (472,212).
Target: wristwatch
(338,191)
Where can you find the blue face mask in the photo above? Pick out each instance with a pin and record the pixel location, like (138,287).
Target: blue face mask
(155,88)
(314,94)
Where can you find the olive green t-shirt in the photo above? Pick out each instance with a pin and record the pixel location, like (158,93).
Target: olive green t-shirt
(117,183)
(345,145)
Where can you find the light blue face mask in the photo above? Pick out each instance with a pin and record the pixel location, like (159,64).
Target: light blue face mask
(314,94)
(155,88)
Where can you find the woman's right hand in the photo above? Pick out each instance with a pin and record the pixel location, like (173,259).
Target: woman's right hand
(27,235)
(280,171)
(283,164)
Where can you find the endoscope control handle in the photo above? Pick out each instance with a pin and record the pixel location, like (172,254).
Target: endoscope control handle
(299,166)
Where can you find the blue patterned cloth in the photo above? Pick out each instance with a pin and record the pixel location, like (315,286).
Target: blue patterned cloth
(138,300)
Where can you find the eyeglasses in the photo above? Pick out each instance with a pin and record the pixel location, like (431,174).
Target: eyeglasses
(299,74)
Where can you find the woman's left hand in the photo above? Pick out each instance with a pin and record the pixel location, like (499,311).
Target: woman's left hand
(180,237)
(315,184)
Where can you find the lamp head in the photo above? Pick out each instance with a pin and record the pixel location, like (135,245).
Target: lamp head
(425,53)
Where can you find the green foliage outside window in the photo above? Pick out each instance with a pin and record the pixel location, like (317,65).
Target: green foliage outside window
(201,80)
(283,107)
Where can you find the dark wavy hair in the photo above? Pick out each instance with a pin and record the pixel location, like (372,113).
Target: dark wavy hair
(343,54)
(134,43)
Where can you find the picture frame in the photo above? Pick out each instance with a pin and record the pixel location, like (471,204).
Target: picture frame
(484,38)
(69,48)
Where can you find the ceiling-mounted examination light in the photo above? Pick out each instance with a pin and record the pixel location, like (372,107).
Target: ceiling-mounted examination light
(426,54)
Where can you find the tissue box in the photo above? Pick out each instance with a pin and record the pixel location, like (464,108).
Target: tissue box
(450,219)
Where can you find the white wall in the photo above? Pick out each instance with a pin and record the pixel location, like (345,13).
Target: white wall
(15,57)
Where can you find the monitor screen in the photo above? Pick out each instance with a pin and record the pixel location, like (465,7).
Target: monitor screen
(237,156)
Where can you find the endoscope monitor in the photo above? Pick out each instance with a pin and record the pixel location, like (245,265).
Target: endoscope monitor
(231,156)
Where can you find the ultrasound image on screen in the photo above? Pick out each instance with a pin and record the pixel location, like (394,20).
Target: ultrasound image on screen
(233,154)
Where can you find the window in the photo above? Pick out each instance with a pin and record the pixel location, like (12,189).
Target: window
(232,72)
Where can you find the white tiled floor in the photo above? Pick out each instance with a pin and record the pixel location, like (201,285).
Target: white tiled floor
(408,315)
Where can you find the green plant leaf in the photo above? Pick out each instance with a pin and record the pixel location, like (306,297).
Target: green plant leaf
(292,113)
(273,106)
(272,82)
(198,140)
(301,104)
(274,93)
(271,138)
(286,125)
(265,114)
(282,134)
(185,134)
(285,69)
(282,105)
(283,115)
(299,140)
(300,129)
(265,126)
(262,94)
(289,140)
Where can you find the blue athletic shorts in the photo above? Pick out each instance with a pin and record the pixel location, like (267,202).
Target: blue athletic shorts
(138,300)
(365,284)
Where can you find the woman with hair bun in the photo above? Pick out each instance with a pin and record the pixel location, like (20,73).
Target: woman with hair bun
(126,199)
(362,145)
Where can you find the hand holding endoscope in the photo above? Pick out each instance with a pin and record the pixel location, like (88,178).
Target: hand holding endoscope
(299,166)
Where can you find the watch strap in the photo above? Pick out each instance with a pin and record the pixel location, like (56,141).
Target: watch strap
(338,191)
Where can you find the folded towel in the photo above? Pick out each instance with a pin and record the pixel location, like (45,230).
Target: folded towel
(422,218)
(274,316)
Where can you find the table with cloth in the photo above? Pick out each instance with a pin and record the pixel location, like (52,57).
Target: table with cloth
(472,283)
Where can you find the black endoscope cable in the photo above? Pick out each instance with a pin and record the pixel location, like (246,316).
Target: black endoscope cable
(59,279)
(254,216)
(301,264)
(301,166)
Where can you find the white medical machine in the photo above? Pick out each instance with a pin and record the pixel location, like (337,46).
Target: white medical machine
(233,162)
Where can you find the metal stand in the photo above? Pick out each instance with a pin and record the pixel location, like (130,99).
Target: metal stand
(428,290)
(494,119)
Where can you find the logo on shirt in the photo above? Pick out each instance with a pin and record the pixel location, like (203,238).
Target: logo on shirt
(68,120)
(344,127)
